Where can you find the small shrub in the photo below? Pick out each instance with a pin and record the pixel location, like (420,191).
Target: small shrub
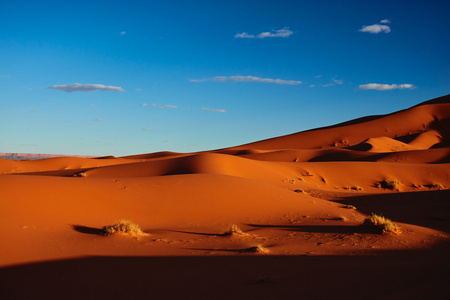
(123,227)
(382,224)
(435,186)
(256,249)
(349,207)
(389,184)
(234,230)
(79,174)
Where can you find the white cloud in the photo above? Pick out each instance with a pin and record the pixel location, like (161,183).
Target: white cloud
(376,28)
(244,35)
(337,81)
(139,90)
(285,32)
(248,79)
(213,110)
(279,33)
(164,106)
(385,87)
(123,32)
(144,104)
(78,87)
(385,21)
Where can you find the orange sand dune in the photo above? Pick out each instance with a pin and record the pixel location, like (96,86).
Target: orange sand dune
(300,200)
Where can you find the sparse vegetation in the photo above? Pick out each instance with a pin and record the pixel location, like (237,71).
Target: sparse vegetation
(355,188)
(298,191)
(382,224)
(234,230)
(349,207)
(79,174)
(256,249)
(123,227)
(435,186)
(389,184)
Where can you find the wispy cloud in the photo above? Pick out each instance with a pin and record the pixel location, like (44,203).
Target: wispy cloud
(244,35)
(385,87)
(123,32)
(385,21)
(285,32)
(213,110)
(99,120)
(146,129)
(78,87)
(248,79)
(164,106)
(337,81)
(139,90)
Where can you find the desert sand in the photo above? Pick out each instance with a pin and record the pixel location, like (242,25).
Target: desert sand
(300,201)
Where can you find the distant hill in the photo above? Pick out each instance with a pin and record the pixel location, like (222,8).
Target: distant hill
(34,156)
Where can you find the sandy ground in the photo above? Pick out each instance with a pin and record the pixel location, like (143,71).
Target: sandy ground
(299,199)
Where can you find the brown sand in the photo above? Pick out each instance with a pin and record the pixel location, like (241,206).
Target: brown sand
(293,195)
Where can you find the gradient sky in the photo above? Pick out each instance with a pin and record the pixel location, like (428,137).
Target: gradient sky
(130,77)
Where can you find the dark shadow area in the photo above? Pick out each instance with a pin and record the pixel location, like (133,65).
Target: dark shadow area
(407,274)
(56,173)
(346,229)
(425,208)
(198,233)
(233,250)
(88,230)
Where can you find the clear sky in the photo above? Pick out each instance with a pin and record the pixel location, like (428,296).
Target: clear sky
(130,77)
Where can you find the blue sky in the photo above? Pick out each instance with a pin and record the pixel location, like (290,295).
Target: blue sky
(130,77)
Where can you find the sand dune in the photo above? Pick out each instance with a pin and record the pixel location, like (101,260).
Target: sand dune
(303,197)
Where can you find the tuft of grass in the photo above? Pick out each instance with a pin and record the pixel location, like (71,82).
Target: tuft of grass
(124,227)
(389,184)
(79,174)
(435,186)
(382,224)
(349,207)
(234,230)
(256,249)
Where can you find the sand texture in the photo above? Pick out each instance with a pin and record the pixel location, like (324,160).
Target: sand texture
(298,203)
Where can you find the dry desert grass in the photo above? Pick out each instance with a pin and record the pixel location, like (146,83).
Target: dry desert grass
(124,227)
(382,224)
